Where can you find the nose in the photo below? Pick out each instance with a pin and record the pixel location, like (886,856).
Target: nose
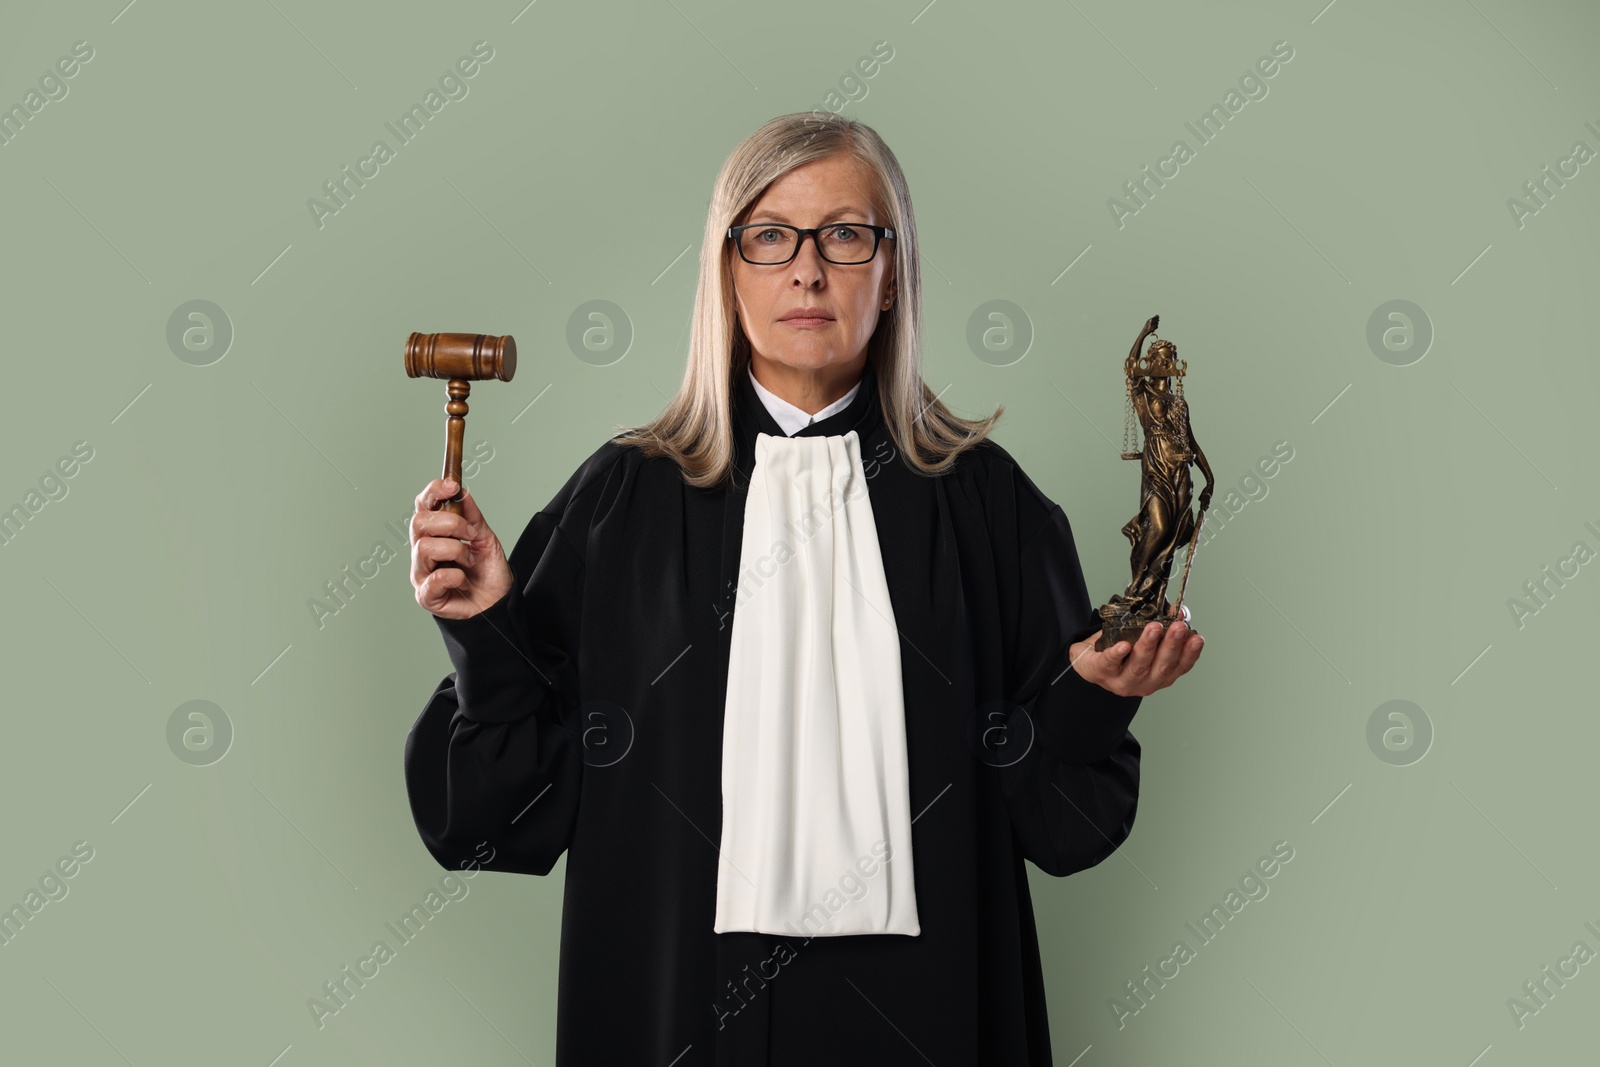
(807,265)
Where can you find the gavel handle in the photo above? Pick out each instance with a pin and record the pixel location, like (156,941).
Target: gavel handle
(454,430)
(452,471)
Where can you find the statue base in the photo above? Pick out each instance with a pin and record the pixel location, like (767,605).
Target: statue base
(1119,624)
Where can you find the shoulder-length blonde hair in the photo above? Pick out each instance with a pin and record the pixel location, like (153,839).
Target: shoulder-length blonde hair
(696,427)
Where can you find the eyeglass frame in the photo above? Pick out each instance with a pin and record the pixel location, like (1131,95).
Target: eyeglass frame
(879,235)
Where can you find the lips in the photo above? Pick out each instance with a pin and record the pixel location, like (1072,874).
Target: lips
(806,316)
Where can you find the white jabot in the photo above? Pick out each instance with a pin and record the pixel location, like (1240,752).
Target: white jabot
(816,811)
(791,418)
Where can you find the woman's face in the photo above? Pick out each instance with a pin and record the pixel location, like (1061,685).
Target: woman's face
(850,297)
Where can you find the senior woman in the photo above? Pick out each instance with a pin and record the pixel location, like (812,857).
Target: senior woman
(797,674)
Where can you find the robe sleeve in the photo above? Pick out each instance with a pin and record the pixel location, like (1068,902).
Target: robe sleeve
(1073,796)
(492,770)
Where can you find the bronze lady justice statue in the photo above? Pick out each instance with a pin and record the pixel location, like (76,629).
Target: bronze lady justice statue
(1155,393)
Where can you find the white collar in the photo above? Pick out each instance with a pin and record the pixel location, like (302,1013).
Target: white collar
(791,419)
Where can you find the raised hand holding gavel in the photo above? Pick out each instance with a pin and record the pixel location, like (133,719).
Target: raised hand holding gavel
(458,566)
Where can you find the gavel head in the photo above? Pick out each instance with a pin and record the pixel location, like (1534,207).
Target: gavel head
(466,356)
(461,358)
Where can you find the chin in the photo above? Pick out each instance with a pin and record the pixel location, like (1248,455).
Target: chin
(807,357)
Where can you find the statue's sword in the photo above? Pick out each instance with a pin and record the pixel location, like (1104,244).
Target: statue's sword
(1194,541)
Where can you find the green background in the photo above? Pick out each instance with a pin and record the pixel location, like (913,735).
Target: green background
(1376,565)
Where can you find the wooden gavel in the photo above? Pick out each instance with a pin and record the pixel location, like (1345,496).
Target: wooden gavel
(463,358)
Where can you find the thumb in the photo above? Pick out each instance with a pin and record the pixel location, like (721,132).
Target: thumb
(471,512)
(1098,664)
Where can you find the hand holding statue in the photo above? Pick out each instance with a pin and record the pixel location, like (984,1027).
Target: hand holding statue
(1141,668)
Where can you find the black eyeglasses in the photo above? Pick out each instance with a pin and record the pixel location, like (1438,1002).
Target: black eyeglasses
(771,243)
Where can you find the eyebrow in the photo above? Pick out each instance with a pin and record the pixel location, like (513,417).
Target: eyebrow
(833,215)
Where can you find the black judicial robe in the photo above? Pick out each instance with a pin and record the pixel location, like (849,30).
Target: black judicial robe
(585,715)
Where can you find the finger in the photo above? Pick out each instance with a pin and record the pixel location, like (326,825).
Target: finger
(434,493)
(1101,662)
(1137,665)
(469,508)
(440,587)
(450,598)
(439,524)
(431,550)
(1190,645)
(1114,655)
(1166,661)
(1089,644)
(1117,649)
(1191,652)
(461,593)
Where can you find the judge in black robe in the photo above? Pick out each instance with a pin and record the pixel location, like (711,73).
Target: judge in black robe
(585,716)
